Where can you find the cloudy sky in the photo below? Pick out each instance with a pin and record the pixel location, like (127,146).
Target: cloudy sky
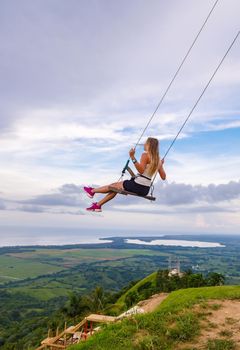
(80,79)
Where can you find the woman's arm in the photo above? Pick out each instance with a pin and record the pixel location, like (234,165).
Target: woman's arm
(161,171)
(140,166)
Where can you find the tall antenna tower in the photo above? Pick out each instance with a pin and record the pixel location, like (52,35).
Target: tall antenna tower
(174,263)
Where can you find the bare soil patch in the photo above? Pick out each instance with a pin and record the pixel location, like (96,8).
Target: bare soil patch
(152,303)
(220,320)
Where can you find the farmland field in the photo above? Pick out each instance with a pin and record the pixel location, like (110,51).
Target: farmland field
(32,263)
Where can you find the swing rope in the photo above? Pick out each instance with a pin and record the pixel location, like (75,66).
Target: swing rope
(196,103)
(170,84)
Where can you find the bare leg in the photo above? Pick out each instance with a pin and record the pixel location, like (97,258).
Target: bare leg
(105,189)
(107,198)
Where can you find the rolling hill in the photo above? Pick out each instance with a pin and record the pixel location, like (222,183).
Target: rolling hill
(194,318)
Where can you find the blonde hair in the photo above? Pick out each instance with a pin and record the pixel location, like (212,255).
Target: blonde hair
(153,152)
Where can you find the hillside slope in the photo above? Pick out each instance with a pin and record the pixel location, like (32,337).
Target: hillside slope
(185,320)
(144,284)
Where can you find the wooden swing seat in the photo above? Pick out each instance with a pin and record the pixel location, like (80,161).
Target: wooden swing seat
(116,190)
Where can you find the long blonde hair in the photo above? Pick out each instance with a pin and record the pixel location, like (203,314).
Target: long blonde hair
(153,152)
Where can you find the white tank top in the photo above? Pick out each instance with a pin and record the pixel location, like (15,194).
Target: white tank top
(144,179)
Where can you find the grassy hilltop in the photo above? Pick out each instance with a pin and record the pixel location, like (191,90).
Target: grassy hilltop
(176,324)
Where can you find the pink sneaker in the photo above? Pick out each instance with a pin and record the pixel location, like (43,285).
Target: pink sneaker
(94,207)
(89,191)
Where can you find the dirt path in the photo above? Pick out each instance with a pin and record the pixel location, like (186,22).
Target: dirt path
(222,322)
(152,303)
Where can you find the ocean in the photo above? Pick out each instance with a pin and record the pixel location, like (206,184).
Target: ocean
(28,236)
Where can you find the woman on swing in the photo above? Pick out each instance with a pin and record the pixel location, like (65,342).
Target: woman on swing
(148,165)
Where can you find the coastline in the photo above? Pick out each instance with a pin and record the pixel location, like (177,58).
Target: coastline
(128,242)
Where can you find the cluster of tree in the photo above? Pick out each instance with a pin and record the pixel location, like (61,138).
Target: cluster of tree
(23,319)
(24,329)
(79,305)
(165,282)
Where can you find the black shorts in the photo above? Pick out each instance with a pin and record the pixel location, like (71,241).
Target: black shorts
(132,186)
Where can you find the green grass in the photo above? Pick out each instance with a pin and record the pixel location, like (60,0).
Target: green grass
(220,344)
(13,268)
(78,253)
(173,322)
(44,294)
(226,333)
(216,306)
(185,298)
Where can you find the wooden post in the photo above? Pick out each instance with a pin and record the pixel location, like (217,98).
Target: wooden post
(85,329)
(65,335)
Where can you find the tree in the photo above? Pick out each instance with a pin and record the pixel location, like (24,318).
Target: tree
(131,298)
(97,299)
(196,280)
(215,279)
(76,305)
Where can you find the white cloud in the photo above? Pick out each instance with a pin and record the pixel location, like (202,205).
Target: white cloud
(80,82)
